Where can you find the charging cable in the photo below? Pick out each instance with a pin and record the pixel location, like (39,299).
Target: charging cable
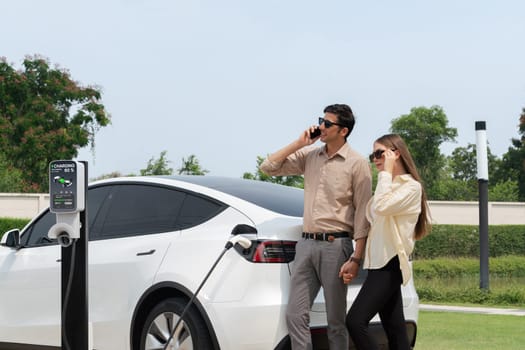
(245,243)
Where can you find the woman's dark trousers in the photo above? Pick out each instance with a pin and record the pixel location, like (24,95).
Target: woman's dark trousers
(380,293)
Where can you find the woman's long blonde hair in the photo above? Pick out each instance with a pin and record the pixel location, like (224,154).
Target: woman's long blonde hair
(394,141)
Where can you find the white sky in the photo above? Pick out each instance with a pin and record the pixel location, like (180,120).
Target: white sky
(231,80)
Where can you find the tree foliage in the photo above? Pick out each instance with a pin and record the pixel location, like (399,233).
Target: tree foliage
(424,130)
(45,115)
(513,162)
(10,178)
(505,191)
(157,166)
(191,166)
(449,189)
(463,184)
(293,180)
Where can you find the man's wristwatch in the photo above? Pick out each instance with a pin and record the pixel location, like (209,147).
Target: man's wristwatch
(356,260)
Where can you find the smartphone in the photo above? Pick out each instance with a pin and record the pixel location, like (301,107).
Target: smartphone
(315,133)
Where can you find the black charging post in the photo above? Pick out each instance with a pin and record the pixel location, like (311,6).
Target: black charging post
(68,188)
(483,181)
(75,322)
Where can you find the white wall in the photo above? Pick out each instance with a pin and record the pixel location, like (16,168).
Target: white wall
(17,205)
(22,205)
(467,213)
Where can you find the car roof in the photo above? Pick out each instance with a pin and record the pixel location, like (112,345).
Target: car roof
(279,198)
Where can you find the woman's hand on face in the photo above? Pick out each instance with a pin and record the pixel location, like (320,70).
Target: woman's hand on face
(390,160)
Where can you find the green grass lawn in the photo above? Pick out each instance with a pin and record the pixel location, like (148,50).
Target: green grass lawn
(464,331)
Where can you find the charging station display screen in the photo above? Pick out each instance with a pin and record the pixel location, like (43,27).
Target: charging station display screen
(64,201)
(63,185)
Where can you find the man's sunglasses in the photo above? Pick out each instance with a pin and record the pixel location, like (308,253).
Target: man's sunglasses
(377,154)
(328,124)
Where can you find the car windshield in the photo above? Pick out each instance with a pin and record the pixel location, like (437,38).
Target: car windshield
(278,198)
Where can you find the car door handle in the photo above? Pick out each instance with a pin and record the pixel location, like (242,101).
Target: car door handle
(146,253)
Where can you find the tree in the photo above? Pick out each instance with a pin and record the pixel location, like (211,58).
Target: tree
(191,167)
(157,167)
(463,164)
(45,115)
(449,189)
(506,191)
(424,130)
(292,181)
(462,167)
(10,178)
(513,162)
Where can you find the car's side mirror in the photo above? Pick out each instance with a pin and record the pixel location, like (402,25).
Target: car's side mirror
(11,238)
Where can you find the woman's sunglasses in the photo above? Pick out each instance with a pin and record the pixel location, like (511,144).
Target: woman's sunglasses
(328,124)
(377,154)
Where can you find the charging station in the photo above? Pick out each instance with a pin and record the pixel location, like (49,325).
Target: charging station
(68,196)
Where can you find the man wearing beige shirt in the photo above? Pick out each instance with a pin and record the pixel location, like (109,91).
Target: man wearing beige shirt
(337,187)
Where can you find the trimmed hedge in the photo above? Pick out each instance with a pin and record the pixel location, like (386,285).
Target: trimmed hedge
(501,267)
(463,241)
(7,224)
(512,296)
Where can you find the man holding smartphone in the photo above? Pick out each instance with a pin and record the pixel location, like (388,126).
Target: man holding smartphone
(337,187)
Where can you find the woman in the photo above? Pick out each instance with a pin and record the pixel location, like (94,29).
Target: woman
(399,215)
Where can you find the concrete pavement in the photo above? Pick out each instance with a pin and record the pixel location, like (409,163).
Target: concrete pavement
(472,309)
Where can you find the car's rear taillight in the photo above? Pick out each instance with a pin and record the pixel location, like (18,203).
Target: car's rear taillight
(274,252)
(270,251)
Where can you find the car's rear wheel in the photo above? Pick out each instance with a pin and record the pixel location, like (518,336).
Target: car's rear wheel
(191,333)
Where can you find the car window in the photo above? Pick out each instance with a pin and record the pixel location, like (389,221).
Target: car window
(36,234)
(196,210)
(133,209)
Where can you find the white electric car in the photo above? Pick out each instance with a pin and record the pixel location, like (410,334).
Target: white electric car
(152,241)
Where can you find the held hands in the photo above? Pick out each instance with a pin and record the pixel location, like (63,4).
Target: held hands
(349,271)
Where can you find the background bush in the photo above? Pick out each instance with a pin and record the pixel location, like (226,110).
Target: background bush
(7,224)
(463,241)
(500,267)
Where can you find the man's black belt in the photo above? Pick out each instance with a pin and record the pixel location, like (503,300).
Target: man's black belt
(326,236)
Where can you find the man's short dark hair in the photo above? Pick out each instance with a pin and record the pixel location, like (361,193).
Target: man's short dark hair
(344,115)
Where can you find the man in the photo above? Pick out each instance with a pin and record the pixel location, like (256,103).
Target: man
(337,187)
